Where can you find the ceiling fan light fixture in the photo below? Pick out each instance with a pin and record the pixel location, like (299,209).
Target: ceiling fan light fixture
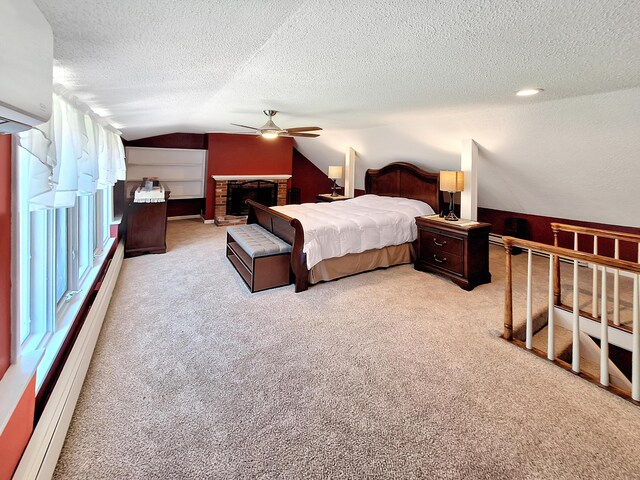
(270,134)
(270,130)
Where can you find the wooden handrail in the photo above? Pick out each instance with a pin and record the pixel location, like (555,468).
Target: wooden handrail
(600,266)
(595,233)
(608,262)
(563,227)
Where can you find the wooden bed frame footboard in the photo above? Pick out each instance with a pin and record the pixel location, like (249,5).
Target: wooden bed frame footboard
(397,179)
(288,229)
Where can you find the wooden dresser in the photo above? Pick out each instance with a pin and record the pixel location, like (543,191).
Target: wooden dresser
(146,226)
(457,250)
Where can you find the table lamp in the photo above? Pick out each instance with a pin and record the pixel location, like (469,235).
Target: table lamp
(452,182)
(335,172)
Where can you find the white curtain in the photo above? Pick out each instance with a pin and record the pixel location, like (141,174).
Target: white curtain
(72,154)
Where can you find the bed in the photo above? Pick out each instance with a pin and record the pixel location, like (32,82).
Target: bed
(394,180)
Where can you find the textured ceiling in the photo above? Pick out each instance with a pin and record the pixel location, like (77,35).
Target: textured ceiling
(161,66)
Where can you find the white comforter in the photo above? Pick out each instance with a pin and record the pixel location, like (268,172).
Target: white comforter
(354,226)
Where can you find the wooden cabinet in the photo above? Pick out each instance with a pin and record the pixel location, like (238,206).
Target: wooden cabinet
(457,250)
(146,226)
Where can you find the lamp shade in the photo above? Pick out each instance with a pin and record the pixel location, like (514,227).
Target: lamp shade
(335,172)
(451,181)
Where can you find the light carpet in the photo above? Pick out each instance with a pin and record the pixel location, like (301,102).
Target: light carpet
(388,374)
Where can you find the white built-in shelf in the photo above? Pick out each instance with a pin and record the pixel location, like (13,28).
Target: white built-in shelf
(183,171)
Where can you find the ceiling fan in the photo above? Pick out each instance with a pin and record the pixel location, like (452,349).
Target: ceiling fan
(271,130)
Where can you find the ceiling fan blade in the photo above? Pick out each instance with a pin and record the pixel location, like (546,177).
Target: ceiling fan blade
(289,134)
(246,126)
(302,129)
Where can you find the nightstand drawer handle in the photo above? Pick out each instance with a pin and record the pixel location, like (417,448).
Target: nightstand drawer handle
(444,242)
(435,257)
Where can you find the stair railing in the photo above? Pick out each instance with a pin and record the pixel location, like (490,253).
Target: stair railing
(595,233)
(600,263)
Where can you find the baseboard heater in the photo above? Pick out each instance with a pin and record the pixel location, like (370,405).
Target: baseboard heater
(41,455)
(495,239)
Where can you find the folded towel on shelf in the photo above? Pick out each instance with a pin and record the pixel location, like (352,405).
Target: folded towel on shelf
(155,195)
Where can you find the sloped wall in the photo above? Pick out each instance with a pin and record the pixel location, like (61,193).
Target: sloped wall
(308,178)
(577,158)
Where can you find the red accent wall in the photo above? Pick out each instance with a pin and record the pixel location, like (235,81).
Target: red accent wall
(308,178)
(15,436)
(540,227)
(5,253)
(231,154)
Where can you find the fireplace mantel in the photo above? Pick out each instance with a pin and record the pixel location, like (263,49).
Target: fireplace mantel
(220,178)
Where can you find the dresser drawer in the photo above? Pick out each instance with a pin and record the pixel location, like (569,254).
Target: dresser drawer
(443,243)
(445,260)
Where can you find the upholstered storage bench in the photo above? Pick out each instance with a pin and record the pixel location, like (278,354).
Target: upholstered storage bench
(262,259)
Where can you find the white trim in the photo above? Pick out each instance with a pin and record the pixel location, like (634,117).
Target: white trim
(206,221)
(41,455)
(469,165)
(250,177)
(17,245)
(349,172)
(619,338)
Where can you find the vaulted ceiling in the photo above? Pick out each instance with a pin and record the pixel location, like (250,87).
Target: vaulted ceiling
(394,79)
(161,66)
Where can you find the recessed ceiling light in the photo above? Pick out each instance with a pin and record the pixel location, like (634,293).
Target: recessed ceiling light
(527,92)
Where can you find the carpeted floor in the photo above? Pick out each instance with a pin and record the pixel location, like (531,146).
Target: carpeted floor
(389,374)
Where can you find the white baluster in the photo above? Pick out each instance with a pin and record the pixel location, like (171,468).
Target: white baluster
(635,355)
(529,340)
(551,344)
(594,284)
(616,286)
(576,321)
(604,333)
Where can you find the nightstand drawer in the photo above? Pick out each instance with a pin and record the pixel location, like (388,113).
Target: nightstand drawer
(458,250)
(445,260)
(443,243)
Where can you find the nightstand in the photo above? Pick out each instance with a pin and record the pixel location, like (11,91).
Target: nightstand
(326,197)
(458,250)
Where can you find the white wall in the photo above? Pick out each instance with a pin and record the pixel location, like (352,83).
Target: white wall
(576,158)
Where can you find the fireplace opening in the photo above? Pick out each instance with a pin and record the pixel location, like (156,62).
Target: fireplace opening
(262,191)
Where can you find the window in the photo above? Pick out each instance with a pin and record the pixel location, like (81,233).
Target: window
(60,256)
(64,172)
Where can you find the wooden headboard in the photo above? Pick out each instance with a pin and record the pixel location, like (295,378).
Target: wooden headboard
(404,180)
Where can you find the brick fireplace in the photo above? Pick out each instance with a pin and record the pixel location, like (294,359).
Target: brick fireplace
(222,182)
